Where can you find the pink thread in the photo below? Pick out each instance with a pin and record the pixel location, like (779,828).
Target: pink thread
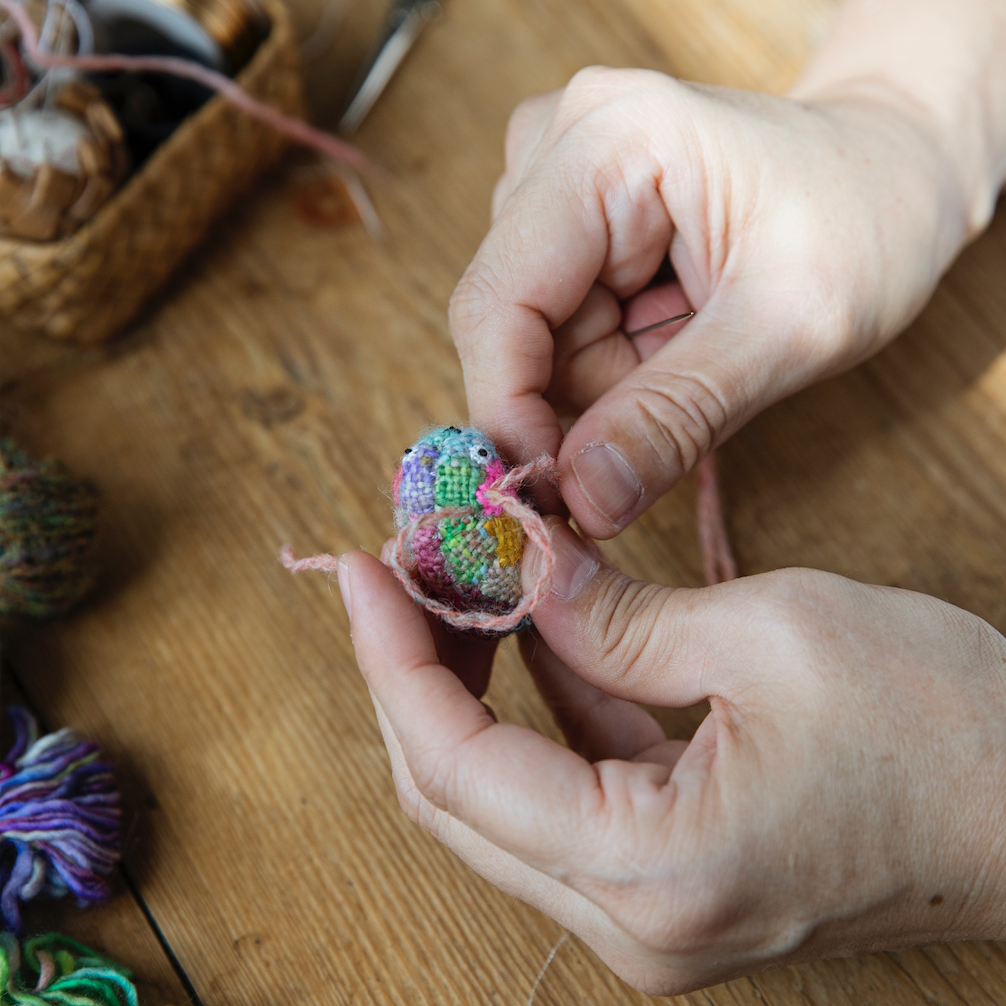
(324,562)
(717,557)
(497,495)
(296,129)
(493,472)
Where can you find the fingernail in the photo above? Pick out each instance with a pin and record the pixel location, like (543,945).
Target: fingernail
(574,565)
(607,480)
(342,573)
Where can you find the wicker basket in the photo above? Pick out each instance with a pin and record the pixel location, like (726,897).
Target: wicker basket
(88,286)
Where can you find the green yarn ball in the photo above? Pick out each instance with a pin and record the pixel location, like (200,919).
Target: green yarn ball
(57,970)
(48,524)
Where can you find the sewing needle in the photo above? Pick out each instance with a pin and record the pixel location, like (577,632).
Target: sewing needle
(659,324)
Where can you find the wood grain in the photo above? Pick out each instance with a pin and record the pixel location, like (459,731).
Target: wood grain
(266,398)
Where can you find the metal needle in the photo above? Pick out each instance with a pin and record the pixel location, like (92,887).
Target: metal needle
(659,324)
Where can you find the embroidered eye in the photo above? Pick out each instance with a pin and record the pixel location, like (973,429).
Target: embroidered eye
(453,429)
(480,455)
(408,450)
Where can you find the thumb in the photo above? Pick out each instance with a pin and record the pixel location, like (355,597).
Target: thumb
(634,640)
(645,433)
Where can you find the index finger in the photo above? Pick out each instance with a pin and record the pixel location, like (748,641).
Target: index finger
(534,268)
(585,211)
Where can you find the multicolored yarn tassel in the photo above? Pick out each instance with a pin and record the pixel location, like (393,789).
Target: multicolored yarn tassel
(48,525)
(59,818)
(57,969)
(462,530)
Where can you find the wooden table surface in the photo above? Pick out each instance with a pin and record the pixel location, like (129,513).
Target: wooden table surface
(266,397)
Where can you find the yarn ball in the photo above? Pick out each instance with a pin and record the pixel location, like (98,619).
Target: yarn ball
(48,525)
(57,969)
(59,818)
(470,561)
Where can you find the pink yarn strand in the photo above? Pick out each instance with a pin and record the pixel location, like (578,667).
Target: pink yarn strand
(323,562)
(718,560)
(295,128)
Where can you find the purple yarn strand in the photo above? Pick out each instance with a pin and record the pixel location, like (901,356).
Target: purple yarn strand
(59,818)
(23,725)
(19,873)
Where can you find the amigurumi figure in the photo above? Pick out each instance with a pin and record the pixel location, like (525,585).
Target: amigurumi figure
(472,560)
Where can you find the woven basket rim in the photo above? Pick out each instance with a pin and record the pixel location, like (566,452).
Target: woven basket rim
(279,24)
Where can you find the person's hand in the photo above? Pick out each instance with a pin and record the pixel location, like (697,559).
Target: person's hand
(844,794)
(804,235)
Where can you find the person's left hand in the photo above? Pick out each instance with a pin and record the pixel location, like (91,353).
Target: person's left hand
(844,794)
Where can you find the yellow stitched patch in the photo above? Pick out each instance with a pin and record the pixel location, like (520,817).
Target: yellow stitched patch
(509,538)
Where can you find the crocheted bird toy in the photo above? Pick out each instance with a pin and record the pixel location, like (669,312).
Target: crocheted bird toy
(472,560)
(462,529)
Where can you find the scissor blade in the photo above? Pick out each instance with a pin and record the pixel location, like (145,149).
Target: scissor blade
(382,69)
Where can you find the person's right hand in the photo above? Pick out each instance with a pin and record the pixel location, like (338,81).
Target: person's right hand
(804,235)
(844,794)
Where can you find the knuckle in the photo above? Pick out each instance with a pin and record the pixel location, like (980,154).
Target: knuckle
(433,780)
(628,615)
(479,290)
(588,89)
(602,80)
(520,130)
(682,416)
(591,77)
(793,613)
(692,921)
(595,87)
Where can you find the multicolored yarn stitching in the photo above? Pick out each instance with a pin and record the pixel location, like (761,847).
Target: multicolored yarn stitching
(461,532)
(56,969)
(460,560)
(59,818)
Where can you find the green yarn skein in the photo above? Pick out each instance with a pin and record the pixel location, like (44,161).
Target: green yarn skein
(57,969)
(48,523)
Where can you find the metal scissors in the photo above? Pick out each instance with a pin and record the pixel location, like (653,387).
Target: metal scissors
(401,28)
